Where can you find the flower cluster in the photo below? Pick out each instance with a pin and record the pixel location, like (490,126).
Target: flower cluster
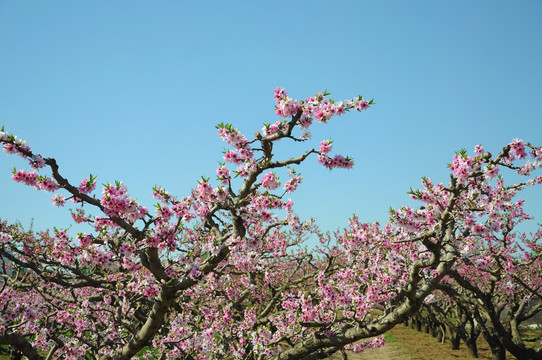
(32,178)
(291,184)
(270,181)
(461,166)
(223,174)
(87,186)
(286,106)
(338,161)
(242,151)
(274,128)
(325,146)
(117,202)
(518,149)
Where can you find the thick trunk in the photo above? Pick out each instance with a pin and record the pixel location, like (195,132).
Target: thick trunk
(425,328)
(497,348)
(516,336)
(153,324)
(454,341)
(433,329)
(418,325)
(472,348)
(520,351)
(20,345)
(527,354)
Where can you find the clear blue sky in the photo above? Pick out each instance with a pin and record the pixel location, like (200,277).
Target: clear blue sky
(132,90)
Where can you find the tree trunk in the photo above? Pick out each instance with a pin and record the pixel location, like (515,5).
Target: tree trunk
(472,348)
(442,333)
(454,340)
(425,328)
(434,330)
(16,355)
(497,348)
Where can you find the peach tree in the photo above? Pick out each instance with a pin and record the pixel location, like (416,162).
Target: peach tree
(222,272)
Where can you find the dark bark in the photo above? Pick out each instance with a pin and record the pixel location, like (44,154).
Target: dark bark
(497,348)
(21,346)
(472,348)
(454,340)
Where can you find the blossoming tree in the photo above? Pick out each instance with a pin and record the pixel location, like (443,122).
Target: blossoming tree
(220,273)
(496,284)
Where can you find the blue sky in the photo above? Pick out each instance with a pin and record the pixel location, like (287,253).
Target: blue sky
(132,91)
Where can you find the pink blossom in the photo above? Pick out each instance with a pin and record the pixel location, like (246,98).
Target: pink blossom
(232,136)
(491,171)
(537,154)
(286,107)
(305,121)
(273,128)
(518,149)
(338,161)
(320,115)
(291,185)
(26,177)
(116,202)
(279,93)
(461,166)
(87,186)
(361,105)
(85,240)
(63,316)
(232,157)
(195,272)
(164,213)
(5,238)
(325,146)
(204,191)
(10,149)
(37,162)
(47,184)
(79,216)
(245,152)
(339,108)
(526,168)
(270,181)
(223,174)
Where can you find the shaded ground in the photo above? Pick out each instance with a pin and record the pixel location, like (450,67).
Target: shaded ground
(404,343)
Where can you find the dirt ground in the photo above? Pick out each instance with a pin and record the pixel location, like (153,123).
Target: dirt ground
(408,344)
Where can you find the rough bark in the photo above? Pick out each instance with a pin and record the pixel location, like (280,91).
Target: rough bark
(22,345)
